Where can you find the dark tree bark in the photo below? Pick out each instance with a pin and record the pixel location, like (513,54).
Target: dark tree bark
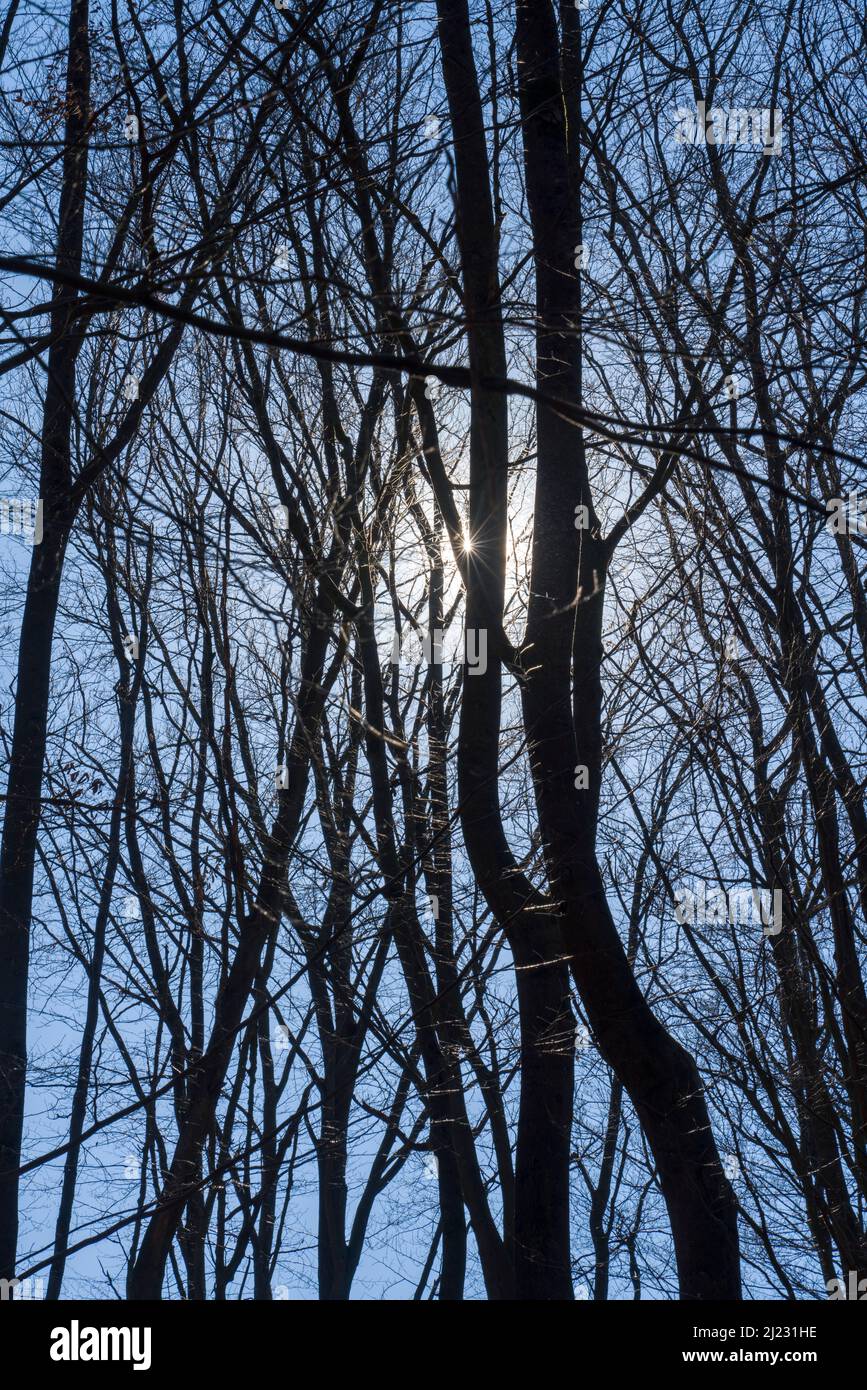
(564,626)
(458,1174)
(145,1280)
(29,734)
(542,1259)
(127,692)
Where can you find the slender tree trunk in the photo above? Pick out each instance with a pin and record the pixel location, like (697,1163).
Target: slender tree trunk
(452,1033)
(145,1279)
(29,735)
(126,699)
(458,1174)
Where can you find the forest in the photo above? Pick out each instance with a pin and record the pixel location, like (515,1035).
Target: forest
(433,684)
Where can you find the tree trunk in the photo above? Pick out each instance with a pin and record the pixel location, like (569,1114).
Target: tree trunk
(565,622)
(541,1219)
(29,735)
